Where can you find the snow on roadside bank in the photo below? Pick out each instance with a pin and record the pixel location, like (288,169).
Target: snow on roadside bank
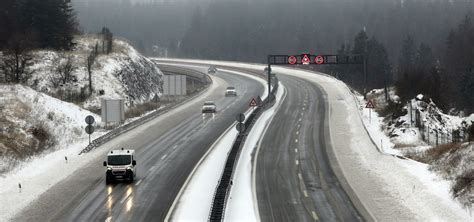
(65,122)
(242,203)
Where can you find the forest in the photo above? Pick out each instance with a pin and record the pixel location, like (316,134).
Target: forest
(418,46)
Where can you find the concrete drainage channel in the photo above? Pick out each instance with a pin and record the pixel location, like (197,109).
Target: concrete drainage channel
(192,74)
(222,191)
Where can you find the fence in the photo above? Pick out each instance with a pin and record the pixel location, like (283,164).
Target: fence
(436,135)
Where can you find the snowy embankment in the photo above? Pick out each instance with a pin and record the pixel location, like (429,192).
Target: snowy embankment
(124,73)
(195,197)
(40,136)
(389,188)
(28,129)
(64,122)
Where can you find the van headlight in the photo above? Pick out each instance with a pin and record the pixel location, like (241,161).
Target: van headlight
(129,168)
(109,168)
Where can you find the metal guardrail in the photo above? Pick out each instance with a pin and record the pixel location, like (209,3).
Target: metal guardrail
(222,190)
(204,78)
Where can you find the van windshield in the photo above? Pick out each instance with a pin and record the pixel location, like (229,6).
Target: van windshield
(119,159)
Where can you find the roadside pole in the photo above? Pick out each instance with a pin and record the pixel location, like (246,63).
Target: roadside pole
(370,106)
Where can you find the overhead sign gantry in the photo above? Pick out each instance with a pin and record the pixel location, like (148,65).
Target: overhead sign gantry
(309,59)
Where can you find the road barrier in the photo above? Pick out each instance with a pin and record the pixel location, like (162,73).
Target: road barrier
(198,76)
(225,183)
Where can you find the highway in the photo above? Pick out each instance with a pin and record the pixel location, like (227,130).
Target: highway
(295,181)
(167,150)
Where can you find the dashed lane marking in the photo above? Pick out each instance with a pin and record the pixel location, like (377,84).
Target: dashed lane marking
(151,168)
(297,162)
(296,150)
(297,132)
(164,156)
(315,216)
(138,182)
(296,140)
(305,193)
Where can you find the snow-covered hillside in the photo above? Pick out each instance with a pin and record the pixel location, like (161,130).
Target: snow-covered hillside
(420,131)
(47,113)
(35,123)
(124,73)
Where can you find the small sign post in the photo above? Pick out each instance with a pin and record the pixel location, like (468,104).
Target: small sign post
(253,103)
(370,106)
(240,123)
(89,128)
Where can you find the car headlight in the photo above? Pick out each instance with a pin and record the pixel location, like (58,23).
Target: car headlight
(109,168)
(129,168)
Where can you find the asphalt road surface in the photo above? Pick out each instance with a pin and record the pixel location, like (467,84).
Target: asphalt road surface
(294,179)
(167,149)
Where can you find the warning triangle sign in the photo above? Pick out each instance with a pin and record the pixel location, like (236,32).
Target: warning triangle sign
(253,102)
(305,59)
(370,105)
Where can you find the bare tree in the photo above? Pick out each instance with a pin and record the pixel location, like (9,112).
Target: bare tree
(65,67)
(16,60)
(89,62)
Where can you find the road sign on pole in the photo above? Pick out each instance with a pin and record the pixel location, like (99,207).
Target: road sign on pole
(253,102)
(240,127)
(89,130)
(259,100)
(370,106)
(240,118)
(90,120)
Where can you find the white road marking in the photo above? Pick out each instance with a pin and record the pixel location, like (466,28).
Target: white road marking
(305,193)
(297,132)
(109,219)
(151,168)
(164,156)
(138,182)
(175,146)
(297,162)
(300,176)
(299,120)
(296,150)
(299,125)
(296,140)
(315,216)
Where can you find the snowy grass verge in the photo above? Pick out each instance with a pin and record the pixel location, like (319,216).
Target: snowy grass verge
(242,204)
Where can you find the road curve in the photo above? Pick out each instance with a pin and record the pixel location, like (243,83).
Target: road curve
(167,149)
(295,181)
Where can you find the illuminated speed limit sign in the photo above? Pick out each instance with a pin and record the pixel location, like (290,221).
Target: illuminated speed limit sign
(292,60)
(319,60)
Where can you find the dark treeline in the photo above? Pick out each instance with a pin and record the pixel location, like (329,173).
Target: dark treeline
(413,43)
(41,23)
(448,79)
(31,24)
